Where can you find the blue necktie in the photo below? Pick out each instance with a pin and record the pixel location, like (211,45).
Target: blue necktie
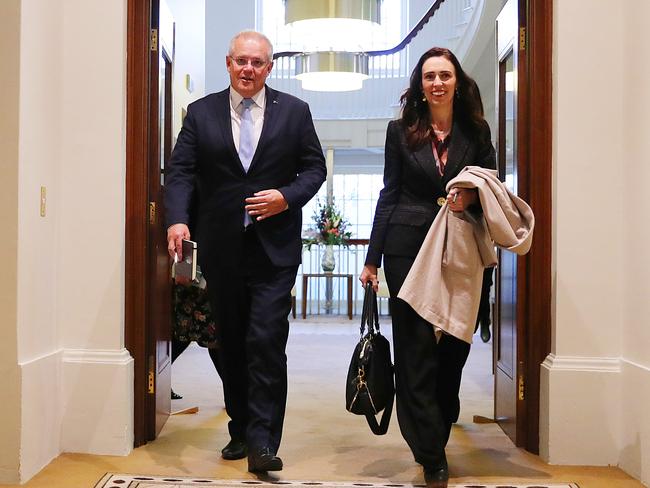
(246,134)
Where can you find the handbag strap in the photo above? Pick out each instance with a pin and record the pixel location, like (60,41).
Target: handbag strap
(381,427)
(375,310)
(364,311)
(370,311)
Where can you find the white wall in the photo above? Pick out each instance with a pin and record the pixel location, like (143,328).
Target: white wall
(635,441)
(189,56)
(598,375)
(221,24)
(91,308)
(581,378)
(480,62)
(65,347)
(9,371)
(484,73)
(360,133)
(39,164)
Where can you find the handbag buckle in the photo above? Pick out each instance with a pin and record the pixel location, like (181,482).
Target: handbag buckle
(361,382)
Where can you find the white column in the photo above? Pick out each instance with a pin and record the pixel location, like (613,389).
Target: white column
(75,378)
(329,163)
(600,254)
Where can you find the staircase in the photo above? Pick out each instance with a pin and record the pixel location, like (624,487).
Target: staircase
(453,26)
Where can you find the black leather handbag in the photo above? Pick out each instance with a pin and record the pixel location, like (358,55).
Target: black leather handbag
(370,386)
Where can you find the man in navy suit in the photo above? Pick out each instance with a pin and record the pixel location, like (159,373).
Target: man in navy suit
(252,158)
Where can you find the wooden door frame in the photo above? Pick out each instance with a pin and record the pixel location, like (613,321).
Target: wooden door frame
(536,188)
(136,285)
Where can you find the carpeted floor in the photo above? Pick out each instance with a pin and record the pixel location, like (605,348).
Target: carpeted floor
(322,441)
(121,481)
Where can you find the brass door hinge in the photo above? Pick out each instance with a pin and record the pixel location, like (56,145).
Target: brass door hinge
(151,389)
(152,213)
(520,387)
(153,40)
(522,38)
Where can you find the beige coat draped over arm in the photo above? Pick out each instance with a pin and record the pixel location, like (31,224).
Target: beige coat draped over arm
(444,283)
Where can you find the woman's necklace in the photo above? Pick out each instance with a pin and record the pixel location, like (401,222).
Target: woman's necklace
(441,126)
(440,133)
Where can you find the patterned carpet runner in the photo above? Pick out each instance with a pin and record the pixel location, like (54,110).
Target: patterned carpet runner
(139,481)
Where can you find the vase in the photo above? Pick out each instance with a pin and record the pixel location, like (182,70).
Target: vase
(328,263)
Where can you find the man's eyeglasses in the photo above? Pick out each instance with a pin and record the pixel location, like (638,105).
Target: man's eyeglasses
(255,62)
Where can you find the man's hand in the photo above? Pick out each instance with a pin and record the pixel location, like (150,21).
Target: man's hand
(175,235)
(265,204)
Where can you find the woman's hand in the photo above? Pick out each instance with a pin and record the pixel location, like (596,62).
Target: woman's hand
(369,274)
(459,199)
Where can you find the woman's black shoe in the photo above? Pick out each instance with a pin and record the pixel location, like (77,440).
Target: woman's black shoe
(485,329)
(436,478)
(175,396)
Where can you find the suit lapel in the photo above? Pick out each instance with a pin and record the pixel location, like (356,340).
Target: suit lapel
(458,147)
(225,124)
(424,158)
(270,114)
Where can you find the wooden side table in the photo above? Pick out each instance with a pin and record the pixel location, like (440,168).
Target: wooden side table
(305,281)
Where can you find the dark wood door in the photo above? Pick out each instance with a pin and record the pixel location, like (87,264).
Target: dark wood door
(159,300)
(508,389)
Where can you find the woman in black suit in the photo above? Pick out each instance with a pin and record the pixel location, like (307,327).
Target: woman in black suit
(442,130)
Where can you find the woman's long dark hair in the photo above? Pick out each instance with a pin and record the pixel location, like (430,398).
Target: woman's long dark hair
(468,107)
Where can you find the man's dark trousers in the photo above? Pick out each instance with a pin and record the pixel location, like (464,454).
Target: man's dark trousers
(254,301)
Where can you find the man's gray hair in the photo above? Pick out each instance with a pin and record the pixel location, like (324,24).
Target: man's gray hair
(248,33)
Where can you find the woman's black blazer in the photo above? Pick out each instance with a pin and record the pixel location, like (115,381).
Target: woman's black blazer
(413,190)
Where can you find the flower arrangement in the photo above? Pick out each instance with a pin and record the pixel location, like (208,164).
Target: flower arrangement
(330,227)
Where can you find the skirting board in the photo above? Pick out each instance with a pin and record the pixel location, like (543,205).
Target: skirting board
(580,410)
(40,418)
(90,424)
(635,435)
(582,364)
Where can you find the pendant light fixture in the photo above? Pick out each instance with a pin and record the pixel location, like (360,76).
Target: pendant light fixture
(335,35)
(332,40)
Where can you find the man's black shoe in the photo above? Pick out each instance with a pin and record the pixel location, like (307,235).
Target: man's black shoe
(262,460)
(235,449)
(436,478)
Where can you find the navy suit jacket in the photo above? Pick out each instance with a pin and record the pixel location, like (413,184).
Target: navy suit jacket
(205,167)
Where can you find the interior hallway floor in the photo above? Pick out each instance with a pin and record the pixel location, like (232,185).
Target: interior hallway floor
(322,441)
